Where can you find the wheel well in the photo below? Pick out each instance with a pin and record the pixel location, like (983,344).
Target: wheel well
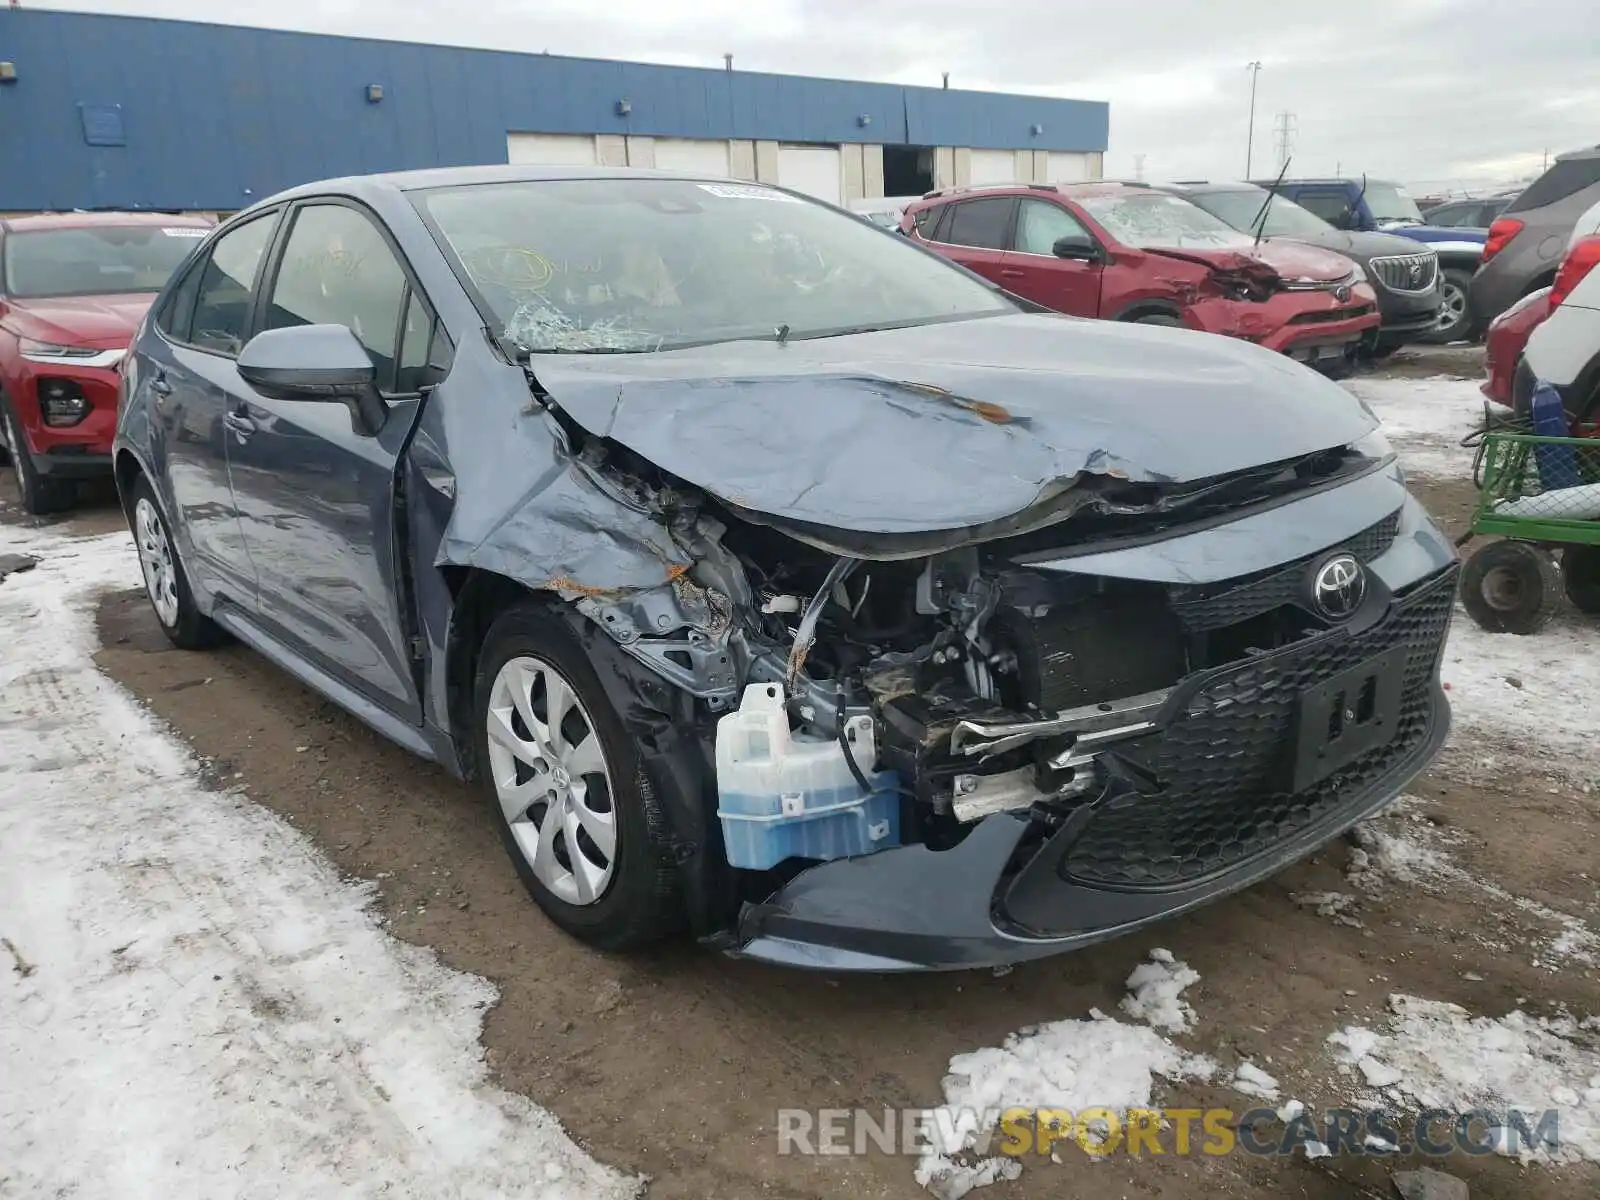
(127,471)
(478,597)
(1150,308)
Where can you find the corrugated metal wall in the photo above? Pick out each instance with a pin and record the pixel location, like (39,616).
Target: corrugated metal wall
(132,112)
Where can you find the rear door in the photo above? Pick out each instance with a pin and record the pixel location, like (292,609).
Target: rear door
(316,494)
(1032,270)
(189,375)
(975,234)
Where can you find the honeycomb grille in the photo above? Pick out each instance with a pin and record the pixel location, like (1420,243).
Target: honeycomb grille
(1220,605)
(1220,762)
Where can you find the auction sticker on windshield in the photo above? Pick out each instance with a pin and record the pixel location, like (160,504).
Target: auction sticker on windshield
(735,191)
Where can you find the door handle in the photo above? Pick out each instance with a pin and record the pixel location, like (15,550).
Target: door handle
(160,386)
(241,424)
(1011,273)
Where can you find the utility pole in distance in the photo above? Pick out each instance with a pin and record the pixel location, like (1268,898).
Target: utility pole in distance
(1250,138)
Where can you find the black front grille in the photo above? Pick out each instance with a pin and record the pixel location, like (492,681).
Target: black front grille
(1215,606)
(1406,272)
(1220,763)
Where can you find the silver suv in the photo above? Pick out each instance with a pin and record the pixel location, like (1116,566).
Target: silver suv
(1527,241)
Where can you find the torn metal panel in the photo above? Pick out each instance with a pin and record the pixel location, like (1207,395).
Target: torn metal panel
(564,530)
(948,426)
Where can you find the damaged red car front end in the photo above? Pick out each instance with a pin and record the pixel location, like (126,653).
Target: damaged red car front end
(1133,254)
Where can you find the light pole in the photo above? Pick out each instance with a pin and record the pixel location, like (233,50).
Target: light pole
(1250,138)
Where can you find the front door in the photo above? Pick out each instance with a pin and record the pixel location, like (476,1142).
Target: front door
(315,491)
(1032,270)
(190,374)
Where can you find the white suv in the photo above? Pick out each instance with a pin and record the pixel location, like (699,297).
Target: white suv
(1565,348)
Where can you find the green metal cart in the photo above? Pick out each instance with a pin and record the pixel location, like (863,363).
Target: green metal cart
(1537,495)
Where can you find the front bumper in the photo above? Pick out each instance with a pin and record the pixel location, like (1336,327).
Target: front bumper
(80,451)
(1020,887)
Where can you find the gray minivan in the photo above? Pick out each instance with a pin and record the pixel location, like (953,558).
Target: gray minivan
(1527,241)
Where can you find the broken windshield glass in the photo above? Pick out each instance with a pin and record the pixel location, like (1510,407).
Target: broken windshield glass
(635,265)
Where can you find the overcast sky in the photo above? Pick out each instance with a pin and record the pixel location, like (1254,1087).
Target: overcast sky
(1429,91)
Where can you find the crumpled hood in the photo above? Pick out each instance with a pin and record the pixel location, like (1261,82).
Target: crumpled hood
(1302,262)
(952,425)
(98,322)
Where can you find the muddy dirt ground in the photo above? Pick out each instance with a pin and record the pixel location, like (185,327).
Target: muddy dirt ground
(675,1064)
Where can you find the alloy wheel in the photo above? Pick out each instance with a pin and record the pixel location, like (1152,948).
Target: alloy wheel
(552,780)
(1454,307)
(156,560)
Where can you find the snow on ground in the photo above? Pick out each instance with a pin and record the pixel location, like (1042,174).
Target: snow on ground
(1155,993)
(1518,697)
(1540,692)
(192,1002)
(1414,851)
(1426,420)
(1437,1055)
(1073,1065)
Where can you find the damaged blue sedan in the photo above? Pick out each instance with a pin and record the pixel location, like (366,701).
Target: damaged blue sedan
(777,581)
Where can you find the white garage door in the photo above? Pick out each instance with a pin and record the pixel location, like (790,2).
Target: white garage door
(1068,168)
(993,166)
(814,170)
(550,150)
(683,154)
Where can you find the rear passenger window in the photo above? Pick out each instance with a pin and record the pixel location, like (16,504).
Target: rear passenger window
(337,269)
(980,223)
(1559,182)
(222,303)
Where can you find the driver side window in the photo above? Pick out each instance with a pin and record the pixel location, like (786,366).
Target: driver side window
(337,269)
(1041,223)
(1332,206)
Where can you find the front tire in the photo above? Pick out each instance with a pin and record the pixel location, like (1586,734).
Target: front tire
(575,808)
(165,581)
(40,494)
(1455,319)
(1511,587)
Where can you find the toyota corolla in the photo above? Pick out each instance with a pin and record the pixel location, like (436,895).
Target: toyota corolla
(776,580)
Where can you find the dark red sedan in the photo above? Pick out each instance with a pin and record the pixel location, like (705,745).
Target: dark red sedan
(1128,253)
(73,287)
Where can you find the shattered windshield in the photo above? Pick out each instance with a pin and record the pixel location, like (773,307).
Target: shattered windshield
(637,265)
(1154,219)
(1242,210)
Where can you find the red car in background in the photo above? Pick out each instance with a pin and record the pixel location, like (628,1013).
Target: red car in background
(1507,378)
(73,287)
(1127,253)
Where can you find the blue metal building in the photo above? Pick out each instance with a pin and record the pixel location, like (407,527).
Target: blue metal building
(129,112)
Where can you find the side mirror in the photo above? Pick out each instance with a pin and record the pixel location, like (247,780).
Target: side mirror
(315,362)
(1076,245)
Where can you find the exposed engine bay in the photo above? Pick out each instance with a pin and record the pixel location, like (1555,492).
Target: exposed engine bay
(990,686)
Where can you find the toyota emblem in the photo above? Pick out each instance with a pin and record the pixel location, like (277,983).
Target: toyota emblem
(1338,587)
(1341,293)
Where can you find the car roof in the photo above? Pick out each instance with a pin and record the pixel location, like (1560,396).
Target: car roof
(1201,187)
(443,177)
(1072,191)
(1371,179)
(100,220)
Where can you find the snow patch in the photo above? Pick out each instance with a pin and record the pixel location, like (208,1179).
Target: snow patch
(1072,1064)
(1155,993)
(1253,1081)
(1438,1055)
(205,999)
(1426,419)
